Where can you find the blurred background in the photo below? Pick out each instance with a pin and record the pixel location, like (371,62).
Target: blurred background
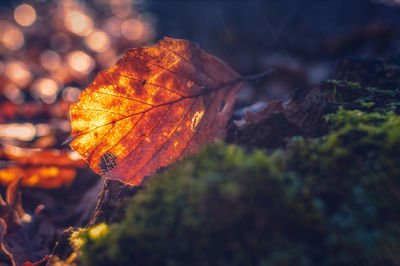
(51,50)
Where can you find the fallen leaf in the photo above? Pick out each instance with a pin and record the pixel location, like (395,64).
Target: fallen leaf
(37,157)
(42,177)
(156,105)
(24,238)
(40,168)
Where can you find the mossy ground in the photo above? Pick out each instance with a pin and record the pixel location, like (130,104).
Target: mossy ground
(331,200)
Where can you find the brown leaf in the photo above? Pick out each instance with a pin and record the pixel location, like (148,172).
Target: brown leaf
(154,106)
(23,238)
(36,157)
(40,168)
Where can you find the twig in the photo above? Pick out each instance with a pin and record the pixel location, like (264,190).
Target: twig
(258,76)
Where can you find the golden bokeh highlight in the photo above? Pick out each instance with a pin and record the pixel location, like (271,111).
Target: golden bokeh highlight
(23,132)
(45,89)
(25,15)
(132,29)
(98,41)
(19,73)
(13,93)
(78,23)
(71,94)
(50,60)
(80,62)
(12,38)
(113,26)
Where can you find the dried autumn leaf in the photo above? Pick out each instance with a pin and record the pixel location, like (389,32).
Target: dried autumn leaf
(156,105)
(23,237)
(47,177)
(40,168)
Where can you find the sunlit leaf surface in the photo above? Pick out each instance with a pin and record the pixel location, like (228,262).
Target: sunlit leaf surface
(154,106)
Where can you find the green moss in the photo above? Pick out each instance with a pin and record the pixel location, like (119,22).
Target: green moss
(326,201)
(371,99)
(345,91)
(220,207)
(356,175)
(367,104)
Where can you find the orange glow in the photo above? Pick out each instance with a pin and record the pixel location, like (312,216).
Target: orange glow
(196,120)
(42,130)
(24,132)
(25,15)
(45,89)
(78,23)
(47,177)
(132,29)
(80,62)
(14,94)
(18,73)
(98,41)
(13,38)
(40,168)
(37,157)
(50,60)
(74,156)
(145,112)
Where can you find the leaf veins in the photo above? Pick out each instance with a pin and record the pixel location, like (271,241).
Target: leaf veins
(156,105)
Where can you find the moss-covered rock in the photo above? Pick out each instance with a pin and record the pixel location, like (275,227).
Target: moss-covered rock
(220,207)
(354,175)
(326,201)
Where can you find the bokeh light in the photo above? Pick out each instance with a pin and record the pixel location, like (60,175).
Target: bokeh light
(80,62)
(25,15)
(51,50)
(13,93)
(78,23)
(12,38)
(24,132)
(19,73)
(50,60)
(71,94)
(113,26)
(98,41)
(46,89)
(132,29)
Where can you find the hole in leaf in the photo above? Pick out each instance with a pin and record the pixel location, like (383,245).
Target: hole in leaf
(144,82)
(222,105)
(107,162)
